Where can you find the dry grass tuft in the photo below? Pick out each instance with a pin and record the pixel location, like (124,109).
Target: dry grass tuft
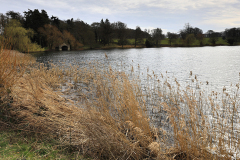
(28,100)
(37,108)
(13,65)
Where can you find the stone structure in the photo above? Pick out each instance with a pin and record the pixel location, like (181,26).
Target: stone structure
(64,47)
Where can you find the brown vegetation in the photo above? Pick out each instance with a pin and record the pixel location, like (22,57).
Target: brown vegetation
(111,117)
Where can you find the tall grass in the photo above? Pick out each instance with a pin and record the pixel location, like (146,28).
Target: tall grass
(112,116)
(188,121)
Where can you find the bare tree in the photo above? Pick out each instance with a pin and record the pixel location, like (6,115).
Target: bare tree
(213,36)
(52,34)
(157,36)
(138,36)
(172,37)
(232,35)
(122,33)
(190,39)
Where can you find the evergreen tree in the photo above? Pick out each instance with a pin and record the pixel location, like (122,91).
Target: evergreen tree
(34,20)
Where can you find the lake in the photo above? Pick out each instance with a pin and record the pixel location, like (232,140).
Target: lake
(215,67)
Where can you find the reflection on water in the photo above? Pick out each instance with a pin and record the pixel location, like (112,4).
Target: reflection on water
(215,66)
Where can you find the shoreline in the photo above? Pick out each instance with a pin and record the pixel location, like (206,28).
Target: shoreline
(138,47)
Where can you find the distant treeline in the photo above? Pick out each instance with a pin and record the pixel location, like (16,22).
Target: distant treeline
(37,29)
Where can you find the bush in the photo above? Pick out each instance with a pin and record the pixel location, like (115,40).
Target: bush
(18,38)
(123,42)
(149,43)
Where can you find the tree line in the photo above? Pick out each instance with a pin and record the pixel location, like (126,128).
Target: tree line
(35,29)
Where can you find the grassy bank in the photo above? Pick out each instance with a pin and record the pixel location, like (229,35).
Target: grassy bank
(112,117)
(163,43)
(15,145)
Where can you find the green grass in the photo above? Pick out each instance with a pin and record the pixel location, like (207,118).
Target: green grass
(165,42)
(196,43)
(14,145)
(178,42)
(131,41)
(221,41)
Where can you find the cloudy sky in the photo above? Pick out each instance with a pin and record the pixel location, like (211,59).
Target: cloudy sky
(169,15)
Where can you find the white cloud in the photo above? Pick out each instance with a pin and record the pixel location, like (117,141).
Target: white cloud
(53,4)
(172,5)
(98,9)
(134,6)
(226,17)
(153,13)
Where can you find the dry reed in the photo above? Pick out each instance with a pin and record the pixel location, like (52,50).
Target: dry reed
(112,117)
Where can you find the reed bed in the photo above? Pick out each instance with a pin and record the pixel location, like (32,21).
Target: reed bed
(106,113)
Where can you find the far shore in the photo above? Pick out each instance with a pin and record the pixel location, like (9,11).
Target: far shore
(107,47)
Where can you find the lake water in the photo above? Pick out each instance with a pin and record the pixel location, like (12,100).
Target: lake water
(219,66)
